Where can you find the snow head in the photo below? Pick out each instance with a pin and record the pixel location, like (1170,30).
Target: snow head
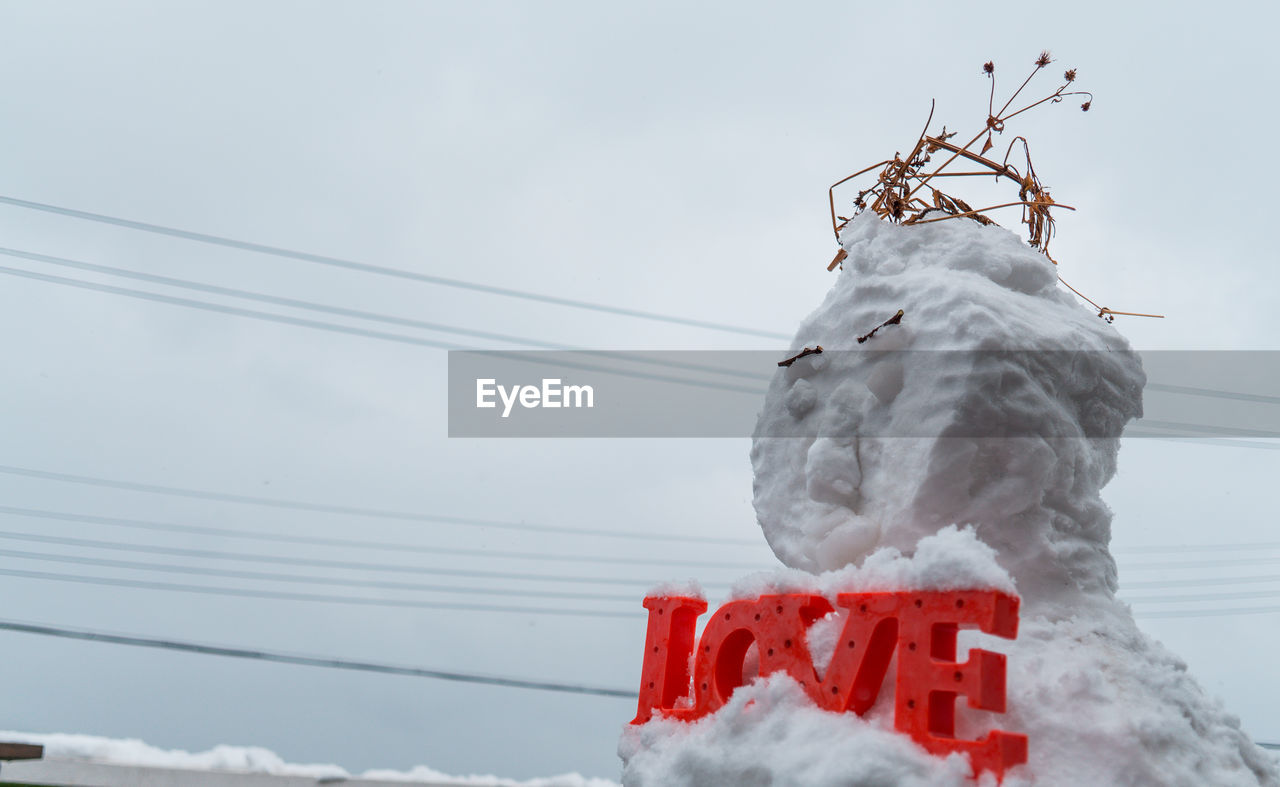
(901,444)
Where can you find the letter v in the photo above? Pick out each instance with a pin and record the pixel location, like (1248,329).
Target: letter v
(857,669)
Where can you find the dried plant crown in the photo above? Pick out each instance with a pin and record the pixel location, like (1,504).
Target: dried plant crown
(905,190)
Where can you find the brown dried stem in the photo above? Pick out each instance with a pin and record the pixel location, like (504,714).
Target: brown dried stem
(815,350)
(895,194)
(894,320)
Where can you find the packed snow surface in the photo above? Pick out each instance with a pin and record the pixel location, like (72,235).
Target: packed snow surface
(964,505)
(828,502)
(253,759)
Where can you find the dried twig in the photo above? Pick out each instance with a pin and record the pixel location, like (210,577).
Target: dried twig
(896,194)
(894,320)
(1107,314)
(815,350)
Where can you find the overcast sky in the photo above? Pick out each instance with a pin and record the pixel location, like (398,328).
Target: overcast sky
(667,157)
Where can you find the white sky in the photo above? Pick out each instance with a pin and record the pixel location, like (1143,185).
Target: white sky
(658,156)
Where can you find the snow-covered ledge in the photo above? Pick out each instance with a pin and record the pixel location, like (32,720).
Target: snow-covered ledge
(74,760)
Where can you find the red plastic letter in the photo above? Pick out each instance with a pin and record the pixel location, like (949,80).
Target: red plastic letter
(929,677)
(862,655)
(775,623)
(664,678)
(921,627)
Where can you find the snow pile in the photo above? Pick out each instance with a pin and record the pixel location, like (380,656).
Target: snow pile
(689,588)
(131,751)
(422,773)
(951,559)
(1100,702)
(253,759)
(770,735)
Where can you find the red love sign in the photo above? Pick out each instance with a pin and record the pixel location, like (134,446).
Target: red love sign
(919,626)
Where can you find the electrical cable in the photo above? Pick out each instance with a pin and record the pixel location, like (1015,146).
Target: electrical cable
(352,565)
(1206,613)
(1166,599)
(1181,564)
(762,377)
(400,338)
(219,240)
(301,505)
(351,543)
(309,661)
(300,322)
(1229,547)
(309,579)
(312,597)
(1198,582)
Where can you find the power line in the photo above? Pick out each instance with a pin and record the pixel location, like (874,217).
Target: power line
(406,603)
(312,597)
(354,331)
(1213,393)
(219,240)
(1198,582)
(400,338)
(410,516)
(413,340)
(1239,596)
(1232,547)
(295,303)
(413,586)
(309,579)
(320,661)
(352,565)
(1180,564)
(309,661)
(445,328)
(292,303)
(341,311)
(404,547)
(365,512)
(202,553)
(1209,613)
(398,547)
(1208,430)
(503,337)
(1225,442)
(233,310)
(522,340)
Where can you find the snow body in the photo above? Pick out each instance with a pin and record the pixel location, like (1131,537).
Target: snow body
(1101,702)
